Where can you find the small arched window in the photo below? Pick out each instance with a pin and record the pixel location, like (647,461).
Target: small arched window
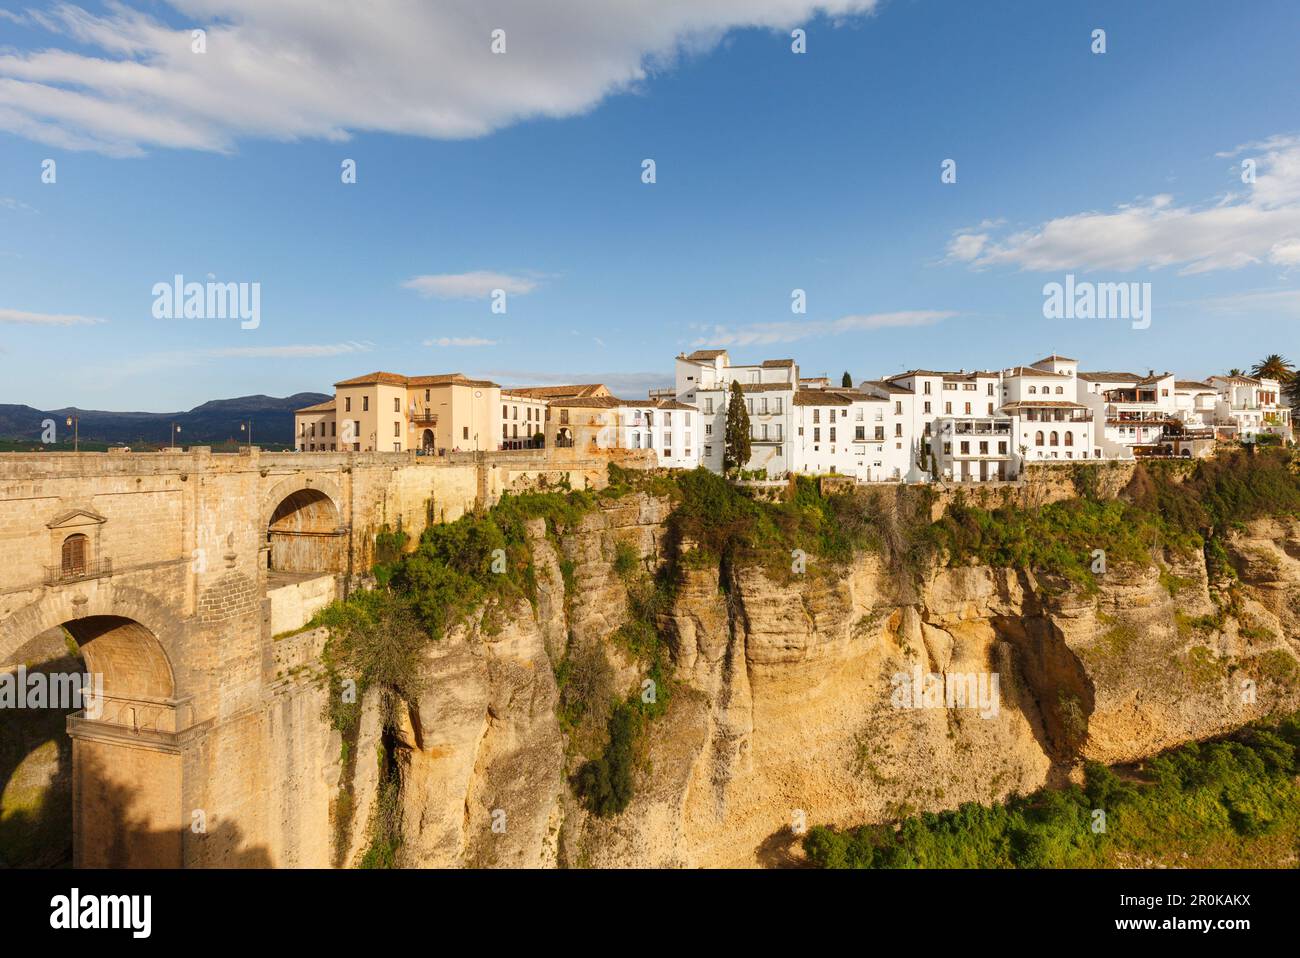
(1060,390)
(75,548)
(1038,438)
(1054,439)
(1069,439)
(1033,390)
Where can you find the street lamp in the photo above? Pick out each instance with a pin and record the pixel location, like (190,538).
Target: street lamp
(75,423)
(248,428)
(175,429)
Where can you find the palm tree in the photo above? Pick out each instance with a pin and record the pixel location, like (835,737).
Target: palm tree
(1234,371)
(1274,366)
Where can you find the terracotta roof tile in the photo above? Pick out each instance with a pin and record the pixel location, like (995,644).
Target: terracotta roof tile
(1110,377)
(574,391)
(327,406)
(396,379)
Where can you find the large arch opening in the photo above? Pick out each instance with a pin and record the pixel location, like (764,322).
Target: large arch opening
(90,773)
(305,535)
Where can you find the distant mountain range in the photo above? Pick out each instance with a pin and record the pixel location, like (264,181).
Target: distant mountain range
(211,423)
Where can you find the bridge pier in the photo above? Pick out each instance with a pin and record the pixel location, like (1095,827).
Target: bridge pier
(127,795)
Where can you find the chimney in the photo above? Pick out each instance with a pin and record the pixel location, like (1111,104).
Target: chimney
(1150,372)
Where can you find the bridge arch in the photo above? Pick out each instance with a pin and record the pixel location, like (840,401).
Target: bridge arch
(96,597)
(126,765)
(305,529)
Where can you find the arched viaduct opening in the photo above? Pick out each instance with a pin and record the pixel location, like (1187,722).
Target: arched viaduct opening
(305,534)
(95,771)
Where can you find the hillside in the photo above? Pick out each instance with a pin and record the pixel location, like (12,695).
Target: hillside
(212,422)
(653,682)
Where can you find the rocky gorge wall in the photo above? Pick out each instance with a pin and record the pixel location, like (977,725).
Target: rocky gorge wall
(783,709)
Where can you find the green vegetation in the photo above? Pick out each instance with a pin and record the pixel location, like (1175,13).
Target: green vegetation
(385,822)
(605,783)
(482,560)
(1234,802)
(1059,538)
(625,559)
(389,546)
(1175,507)
(728,526)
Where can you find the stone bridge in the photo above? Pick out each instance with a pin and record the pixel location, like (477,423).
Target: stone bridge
(175,572)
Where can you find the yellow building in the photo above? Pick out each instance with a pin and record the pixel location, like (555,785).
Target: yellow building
(315,428)
(389,412)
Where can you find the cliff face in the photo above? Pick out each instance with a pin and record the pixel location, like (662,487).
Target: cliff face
(791,704)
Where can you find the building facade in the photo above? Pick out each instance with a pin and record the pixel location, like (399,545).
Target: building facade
(1251,406)
(389,412)
(607,423)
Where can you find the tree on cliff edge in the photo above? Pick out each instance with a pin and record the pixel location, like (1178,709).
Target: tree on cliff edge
(735,449)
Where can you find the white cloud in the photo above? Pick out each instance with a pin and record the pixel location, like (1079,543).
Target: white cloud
(124,81)
(1258,224)
(475,285)
(47,319)
(763,334)
(445,341)
(1285,253)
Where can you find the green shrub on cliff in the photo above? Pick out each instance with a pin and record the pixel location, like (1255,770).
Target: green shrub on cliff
(1234,801)
(1059,538)
(605,783)
(728,525)
(483,555)
(1179,507)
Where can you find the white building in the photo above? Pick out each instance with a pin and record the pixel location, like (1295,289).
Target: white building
(1252,405)
(1050,423)
(841,431)
(975,448)
(703,381)
(1131,412)
(931,395)
(900,453)
(1195,402)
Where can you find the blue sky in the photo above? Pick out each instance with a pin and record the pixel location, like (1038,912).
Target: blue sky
(775,171)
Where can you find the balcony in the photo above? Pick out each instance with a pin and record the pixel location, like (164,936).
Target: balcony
(425,418)
(994,454)
(1116,417)
(1073,415)
(982,429)
(1173,432)
(77,571)
(1131,396)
